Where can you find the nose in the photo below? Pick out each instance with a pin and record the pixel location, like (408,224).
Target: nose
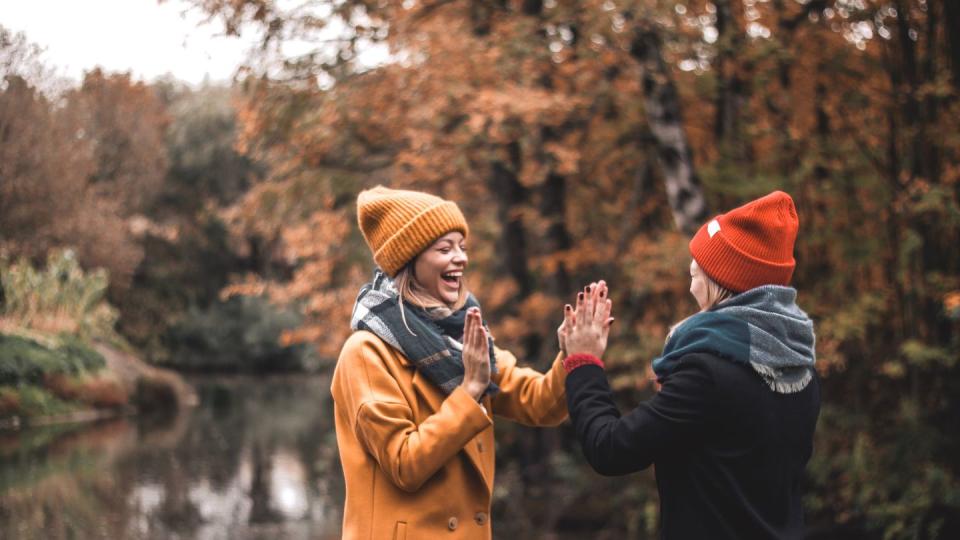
(460,256)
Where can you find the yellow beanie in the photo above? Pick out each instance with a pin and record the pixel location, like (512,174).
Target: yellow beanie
(399,224)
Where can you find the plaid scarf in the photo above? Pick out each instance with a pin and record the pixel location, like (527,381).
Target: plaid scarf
(434,346)
(762,327)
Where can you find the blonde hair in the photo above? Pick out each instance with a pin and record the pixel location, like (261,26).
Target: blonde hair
(410,290)
(716,293)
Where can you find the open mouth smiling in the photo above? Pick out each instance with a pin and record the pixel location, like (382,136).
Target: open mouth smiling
(452,278)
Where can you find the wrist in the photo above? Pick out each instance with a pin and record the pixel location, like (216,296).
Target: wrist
(576,360)
(475,389)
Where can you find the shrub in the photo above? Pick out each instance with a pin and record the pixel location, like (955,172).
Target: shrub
(60,298)
(36,401)
(97,391)
(85,358)
(240,334)
(9,402)
(26,361)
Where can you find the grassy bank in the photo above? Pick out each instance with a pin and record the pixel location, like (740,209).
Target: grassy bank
(60,358)
(54,376)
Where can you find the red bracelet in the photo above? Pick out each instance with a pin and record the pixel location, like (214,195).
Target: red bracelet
(574,361)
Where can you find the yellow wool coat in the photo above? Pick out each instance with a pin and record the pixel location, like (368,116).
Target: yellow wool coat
(417,463)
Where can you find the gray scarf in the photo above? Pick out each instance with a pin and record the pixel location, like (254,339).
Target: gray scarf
(761,327)
(433,345)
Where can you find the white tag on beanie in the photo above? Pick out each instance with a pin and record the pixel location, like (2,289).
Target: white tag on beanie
(713,227)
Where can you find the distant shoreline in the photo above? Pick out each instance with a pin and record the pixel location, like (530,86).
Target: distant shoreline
(124,386)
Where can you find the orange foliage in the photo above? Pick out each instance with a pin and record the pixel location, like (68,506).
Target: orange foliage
(534,123)
(532,116)
(76,169)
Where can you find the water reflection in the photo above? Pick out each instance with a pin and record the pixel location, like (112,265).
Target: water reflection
(256,459)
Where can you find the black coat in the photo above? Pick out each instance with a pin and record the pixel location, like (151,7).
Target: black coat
(729,452)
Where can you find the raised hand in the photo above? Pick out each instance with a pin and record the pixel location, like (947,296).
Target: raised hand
(587,326)
(476,355)
(562,332)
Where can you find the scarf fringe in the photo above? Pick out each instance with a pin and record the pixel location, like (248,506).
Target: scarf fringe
(778,380)
(762,327)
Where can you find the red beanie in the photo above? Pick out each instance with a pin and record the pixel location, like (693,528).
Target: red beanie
(751,245)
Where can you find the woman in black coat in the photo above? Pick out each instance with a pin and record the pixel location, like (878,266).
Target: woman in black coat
(731,429)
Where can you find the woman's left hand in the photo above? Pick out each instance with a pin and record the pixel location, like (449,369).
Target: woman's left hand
(587,327)
(476,355)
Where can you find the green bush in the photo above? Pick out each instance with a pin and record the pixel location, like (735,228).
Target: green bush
(80,354)
(24,361)
(36,402)
(239,335)
(61,294)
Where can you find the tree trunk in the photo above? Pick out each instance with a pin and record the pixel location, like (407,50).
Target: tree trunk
(553,208)
(931,102)
(951,15)
(780,102)
(260,496)
(511,195)
(729,84)
(663,113)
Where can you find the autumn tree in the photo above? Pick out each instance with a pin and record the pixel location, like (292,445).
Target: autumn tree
(125,122)
(575,135)
(75,166)
(45,163)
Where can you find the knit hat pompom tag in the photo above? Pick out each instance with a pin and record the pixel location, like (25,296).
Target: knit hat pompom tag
(751,245)
(398,224)
(713,227)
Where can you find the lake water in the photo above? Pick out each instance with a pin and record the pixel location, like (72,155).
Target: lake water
(257,459)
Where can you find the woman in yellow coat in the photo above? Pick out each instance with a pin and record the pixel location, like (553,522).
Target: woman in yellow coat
(418,382)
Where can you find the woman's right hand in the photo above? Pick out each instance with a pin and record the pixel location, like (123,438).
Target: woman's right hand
(476,355)
(588,325)
(562,334)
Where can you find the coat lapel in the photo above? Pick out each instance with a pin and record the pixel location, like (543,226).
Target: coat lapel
(434,398)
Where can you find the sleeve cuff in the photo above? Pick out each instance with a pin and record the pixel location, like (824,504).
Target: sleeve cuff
(574,361)
(472,412)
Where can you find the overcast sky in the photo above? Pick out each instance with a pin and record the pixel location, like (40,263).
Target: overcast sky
(141,36)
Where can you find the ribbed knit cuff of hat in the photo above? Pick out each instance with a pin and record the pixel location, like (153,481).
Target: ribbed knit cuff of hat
(735,269)
(751,245)
(574,361)
(399,224)
(416,235)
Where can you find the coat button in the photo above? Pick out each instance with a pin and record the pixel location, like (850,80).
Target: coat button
(480,518)
(452,524)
